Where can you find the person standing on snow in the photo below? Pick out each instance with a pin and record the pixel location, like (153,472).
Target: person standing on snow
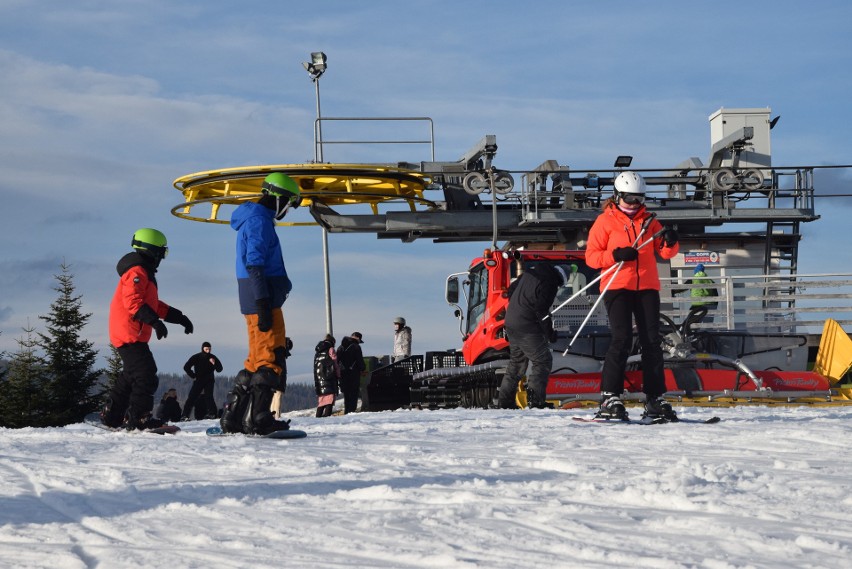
(200,368)
(263,287)
(634,292)
(351,361)
(134,313)
(401,340)
(326,375)
(530,333)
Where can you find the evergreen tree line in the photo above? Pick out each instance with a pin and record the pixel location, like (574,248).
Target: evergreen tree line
(51,380)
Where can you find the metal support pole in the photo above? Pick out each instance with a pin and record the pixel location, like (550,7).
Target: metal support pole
(326,272)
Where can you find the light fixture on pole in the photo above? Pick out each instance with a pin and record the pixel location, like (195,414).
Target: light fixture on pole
(315,68)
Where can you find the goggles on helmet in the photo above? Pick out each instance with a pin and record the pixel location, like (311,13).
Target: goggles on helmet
(158,252)
(632,199)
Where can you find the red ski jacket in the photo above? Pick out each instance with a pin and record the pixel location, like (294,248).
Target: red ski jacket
(613,229)
(136,286)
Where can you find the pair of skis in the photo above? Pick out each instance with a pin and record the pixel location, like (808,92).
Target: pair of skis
(646,421)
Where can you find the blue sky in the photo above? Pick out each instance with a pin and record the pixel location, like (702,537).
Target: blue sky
(103,104)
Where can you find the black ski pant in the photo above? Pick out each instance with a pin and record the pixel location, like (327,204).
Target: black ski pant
(133,392)
(527,348)
(350,385)
(201,404)
(622,307)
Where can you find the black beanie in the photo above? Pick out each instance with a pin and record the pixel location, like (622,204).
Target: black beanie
(205,345)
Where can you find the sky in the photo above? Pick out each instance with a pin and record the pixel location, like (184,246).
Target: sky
(767,487)
(104,104)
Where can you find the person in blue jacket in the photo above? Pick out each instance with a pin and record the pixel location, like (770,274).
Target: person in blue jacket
(263,287)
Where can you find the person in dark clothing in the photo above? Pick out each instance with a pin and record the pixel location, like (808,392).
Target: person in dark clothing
(351,361)
(529,333)
(135,312)
(201,368)
(169,408)
(326,375)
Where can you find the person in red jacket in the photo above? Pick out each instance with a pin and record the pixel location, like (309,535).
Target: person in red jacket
(136,310)
(633,292)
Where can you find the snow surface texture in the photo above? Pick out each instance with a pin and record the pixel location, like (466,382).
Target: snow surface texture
(766,487)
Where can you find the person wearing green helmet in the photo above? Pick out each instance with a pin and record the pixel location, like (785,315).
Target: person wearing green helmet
(135,312)
(263,286)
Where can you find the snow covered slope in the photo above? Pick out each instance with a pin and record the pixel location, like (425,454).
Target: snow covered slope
(766,487)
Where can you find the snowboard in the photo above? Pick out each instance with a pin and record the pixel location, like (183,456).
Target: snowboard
(94,419)
(646,421)
(286,434)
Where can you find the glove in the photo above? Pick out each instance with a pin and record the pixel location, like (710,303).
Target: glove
(288,346)
(175,316)
(160,329)
(670,236)
(625,254)
(187,325)
(264,315)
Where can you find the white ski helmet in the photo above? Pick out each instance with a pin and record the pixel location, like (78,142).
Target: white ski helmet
(629,183)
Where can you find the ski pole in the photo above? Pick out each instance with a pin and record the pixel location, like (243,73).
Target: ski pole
(606,288)
(581,291)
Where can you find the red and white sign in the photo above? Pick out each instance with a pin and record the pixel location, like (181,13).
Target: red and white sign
(704,257)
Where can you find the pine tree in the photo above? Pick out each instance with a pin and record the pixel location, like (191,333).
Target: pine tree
(69,358)
(24,386)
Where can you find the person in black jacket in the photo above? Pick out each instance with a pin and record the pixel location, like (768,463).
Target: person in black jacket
(351,361)
(200,368)
(169,408)
(326,375)
(529,333)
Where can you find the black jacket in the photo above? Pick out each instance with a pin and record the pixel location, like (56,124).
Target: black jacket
(325,370)
(199,366)
(168,410)
(350,357)
(530,299)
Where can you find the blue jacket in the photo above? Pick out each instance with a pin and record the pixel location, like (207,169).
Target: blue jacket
(260,264)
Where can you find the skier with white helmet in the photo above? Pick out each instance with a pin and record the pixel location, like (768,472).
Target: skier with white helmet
(632,291)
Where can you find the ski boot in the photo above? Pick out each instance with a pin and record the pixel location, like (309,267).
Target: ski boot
(141,421)
(236,403)
(258,418)
(658,409)
(612,407)
(111,414)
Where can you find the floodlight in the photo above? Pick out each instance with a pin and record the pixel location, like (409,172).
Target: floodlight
(623,162)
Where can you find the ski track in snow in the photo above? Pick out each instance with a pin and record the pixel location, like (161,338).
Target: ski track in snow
(766,487)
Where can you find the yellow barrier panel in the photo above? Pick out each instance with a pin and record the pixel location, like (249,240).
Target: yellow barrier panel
(834,357)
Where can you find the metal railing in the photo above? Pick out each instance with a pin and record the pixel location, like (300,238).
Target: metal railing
(322,142)
(766,303)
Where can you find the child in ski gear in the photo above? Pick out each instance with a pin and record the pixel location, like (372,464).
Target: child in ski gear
(135,312)
(530,297)
(263,287)
(168,409)
(351,361)
(699,295)
(634,292)
(326,375)
(200,368)
(401,339)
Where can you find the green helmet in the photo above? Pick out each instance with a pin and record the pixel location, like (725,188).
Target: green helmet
(284,189)
(150,241)
(278,184)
